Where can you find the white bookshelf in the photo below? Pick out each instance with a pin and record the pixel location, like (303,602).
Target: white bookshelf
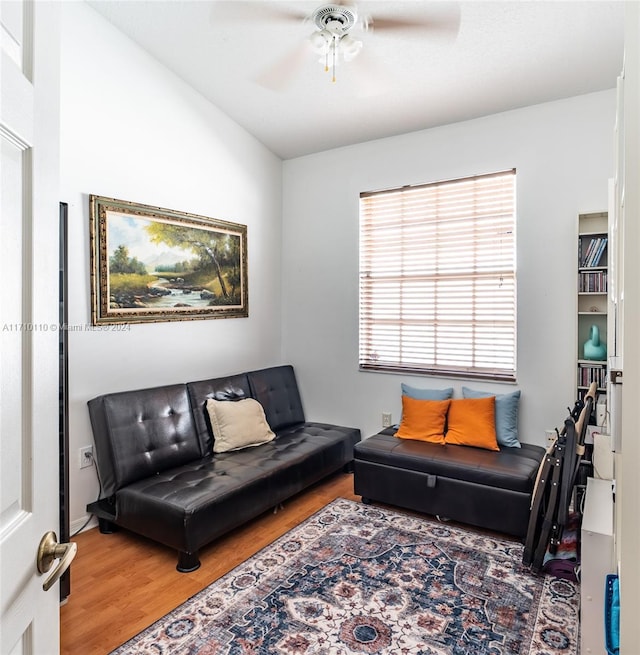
(592,289)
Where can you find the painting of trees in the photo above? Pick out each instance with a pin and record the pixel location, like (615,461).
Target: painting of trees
(154,264)
(120,262)
(215,251)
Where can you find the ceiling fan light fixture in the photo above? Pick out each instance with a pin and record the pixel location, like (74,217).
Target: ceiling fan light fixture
(349,47)
(321,41)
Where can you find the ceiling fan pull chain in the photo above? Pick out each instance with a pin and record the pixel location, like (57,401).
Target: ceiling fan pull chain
(335,47)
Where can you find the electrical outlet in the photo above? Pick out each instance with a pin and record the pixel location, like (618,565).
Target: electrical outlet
(86,456)
(386,419)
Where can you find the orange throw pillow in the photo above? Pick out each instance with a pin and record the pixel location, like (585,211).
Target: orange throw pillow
(472,422)
(423,420)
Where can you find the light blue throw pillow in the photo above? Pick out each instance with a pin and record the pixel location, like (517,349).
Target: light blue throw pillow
(506,414)
(426,394)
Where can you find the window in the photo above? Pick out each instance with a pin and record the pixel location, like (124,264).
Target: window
(437,278)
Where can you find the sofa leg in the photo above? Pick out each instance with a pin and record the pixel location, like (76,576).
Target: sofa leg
(187,562)
(366,501)
(106,527)
(348,467)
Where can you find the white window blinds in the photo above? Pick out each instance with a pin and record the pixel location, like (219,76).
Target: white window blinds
(437,278)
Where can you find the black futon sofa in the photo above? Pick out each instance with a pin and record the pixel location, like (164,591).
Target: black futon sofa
(484,488)
(160,477)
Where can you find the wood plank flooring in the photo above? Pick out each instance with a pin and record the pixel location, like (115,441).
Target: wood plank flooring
(121,583)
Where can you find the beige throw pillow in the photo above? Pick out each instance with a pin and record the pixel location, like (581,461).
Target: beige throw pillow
(238,424)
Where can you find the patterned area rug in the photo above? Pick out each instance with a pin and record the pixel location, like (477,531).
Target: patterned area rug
(360,579)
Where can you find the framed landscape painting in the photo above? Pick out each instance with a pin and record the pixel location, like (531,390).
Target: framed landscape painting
(151,264)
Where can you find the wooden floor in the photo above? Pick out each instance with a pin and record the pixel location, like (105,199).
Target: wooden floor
(122,583)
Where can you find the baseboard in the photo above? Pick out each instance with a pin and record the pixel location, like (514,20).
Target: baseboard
(79,525)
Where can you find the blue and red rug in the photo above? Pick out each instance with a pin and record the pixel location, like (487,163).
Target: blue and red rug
(357,579)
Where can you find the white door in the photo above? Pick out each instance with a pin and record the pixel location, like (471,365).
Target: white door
(29,196)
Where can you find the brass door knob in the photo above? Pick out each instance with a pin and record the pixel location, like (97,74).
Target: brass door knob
(49,550)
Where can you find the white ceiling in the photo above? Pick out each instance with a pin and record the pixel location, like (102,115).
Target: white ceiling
(506,55)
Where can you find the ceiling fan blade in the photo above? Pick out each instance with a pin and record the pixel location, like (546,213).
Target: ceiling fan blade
(228,11)
(281,73)
(445,23)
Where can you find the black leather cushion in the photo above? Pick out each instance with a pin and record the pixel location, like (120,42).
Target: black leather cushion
(510,468)
(276,390)
(201,391)
(141,433)
(188,506)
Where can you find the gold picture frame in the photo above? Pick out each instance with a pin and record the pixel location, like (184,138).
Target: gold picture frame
(150,264)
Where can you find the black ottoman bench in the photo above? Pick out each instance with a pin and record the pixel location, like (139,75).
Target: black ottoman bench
(484,488)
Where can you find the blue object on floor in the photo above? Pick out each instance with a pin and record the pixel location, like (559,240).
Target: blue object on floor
(612,615)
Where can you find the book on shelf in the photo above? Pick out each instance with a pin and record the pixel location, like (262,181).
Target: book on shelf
(585,258)
(588,373)
(599,252)
(592,282)
(594,252)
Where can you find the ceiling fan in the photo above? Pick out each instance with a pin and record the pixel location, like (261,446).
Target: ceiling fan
(338,31)
(331,39)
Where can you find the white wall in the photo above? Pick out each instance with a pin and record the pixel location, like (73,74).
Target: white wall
(132,130)
(563,153)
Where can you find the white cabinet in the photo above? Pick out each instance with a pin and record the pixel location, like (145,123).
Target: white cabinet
(598,559)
